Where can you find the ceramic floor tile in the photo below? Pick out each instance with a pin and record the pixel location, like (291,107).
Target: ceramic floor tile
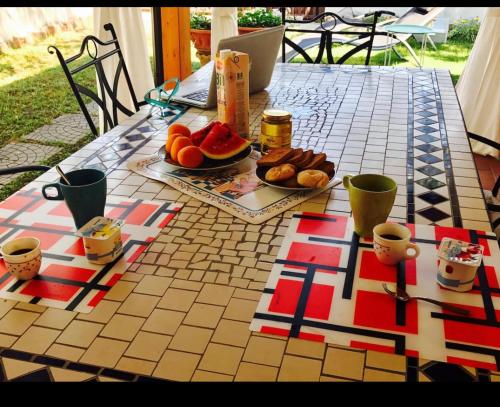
(221,359)
(251,372)
(65,352)
(240,310)
(5,306)
(102,312)
(104,352)
(80,333)
(307,348)
(122,327)
(7,340)
(120,290)
(14,368)
(36,339)
(204,315)
(175,299)
(344,363)
(215,294)
(191,339)
(178,366)
(153,285)
(139,305)
(386,361)
(55,318)
(139,366)
(16,322)
(372,375)
(148,346)
(295,369)
(163,321)
(265,351)
(232,333)
(66,375)
(203,376)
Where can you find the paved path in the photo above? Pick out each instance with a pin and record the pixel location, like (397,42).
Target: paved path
(39,145)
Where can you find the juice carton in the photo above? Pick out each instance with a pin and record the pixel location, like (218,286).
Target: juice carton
(232,79)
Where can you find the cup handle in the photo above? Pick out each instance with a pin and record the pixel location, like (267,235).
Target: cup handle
(58,197)
(414,247)
(347,181)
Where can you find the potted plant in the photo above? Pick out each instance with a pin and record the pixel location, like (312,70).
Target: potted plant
(200,26)
(257,19)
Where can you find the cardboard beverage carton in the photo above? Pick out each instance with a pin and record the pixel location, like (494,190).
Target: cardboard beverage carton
(232,79)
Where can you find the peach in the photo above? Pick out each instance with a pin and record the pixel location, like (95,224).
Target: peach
(179,143)
(190,157)
(179,128)
(170,140)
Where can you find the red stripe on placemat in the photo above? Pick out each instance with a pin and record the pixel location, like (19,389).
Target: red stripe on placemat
(76,248)
(455,233)
(116,213)
(319,301)
(139,251)
(314,254)
(329,228)
(312,337)
(274,331)
(167,220)
(141,213)
(285,296)
(471,363)
(50,290)
(68,272)
(97,298)
(372,346)
(61,210)
(372,269)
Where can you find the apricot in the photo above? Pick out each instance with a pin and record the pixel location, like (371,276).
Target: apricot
(179,128)
(170,140)
(179,143)
(190,157)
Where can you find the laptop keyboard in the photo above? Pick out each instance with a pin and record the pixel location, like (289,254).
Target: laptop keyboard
(199,95)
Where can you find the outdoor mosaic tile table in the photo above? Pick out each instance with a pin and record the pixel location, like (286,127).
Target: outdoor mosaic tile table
(182,311)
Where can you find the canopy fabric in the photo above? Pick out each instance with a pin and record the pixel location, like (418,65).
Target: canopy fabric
(477,88)
(129,28)
(224,25)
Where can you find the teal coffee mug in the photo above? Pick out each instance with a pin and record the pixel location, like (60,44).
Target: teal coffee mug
(371,197)
(85,196)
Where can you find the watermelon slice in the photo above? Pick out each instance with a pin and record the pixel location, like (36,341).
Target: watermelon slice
(222,143)
(198,136)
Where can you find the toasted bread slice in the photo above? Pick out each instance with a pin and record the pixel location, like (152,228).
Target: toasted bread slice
(296,157)
(275,157)
(306,159)
(327,167)
(317,160)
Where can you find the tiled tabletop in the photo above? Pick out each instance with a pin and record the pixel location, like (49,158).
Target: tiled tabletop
(182,311)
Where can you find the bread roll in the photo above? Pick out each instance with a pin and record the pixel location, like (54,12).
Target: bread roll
(280,173)
(312,178)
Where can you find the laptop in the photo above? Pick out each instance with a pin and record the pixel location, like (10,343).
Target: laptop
(199,89)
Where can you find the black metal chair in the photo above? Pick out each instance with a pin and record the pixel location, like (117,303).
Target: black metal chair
(328,22)
(110,113)
(491,205)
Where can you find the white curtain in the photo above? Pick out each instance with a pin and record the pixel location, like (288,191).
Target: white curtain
(224,25)
(478,87)
(129,28)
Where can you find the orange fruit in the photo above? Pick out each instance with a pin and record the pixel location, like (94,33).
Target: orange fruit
(170,140)
(190,156)
(179,143)
(179,128)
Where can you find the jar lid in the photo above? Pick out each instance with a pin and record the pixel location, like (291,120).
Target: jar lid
(276,115)
(458,251)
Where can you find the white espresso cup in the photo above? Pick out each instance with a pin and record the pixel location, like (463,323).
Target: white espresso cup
(22,257)
(391,242)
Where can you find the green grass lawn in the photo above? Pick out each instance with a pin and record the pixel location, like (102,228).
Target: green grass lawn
(452,56)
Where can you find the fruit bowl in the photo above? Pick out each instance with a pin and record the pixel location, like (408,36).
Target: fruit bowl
(208,163)
(261,174)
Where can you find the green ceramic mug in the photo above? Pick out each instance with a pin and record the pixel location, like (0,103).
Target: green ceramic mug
(372,197)
(85,197)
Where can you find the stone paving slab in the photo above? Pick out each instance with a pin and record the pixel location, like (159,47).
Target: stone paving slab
(17,154)
(68,128)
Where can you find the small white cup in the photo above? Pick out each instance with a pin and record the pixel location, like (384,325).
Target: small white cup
(391,242)
(23,266)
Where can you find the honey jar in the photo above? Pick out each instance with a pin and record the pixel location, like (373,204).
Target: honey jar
(275,130)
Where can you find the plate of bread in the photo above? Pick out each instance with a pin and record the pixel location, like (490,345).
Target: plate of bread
(294,169)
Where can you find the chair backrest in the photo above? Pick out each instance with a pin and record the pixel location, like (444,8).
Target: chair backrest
(416,15)
(108,102)
(331,24)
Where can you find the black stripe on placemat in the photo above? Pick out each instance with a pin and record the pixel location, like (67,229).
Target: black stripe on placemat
(300,309)
(448,167)
(410,198)
(312,217)
(401,305)
(160,211)
(305,265)
(466,320)
(475,349)
(268,290)
(351,267)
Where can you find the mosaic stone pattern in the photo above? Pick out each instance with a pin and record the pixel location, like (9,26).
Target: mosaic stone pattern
(182,311)
(18,154)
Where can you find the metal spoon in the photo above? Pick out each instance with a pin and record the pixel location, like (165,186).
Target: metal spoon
(62,174)
(402,295)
